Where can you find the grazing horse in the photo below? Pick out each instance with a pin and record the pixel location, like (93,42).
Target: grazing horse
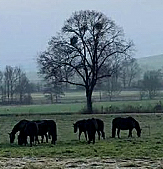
(18,127)
(81,125)
(31,130)
(91,127)
(52,130)
(42,130)
(128,123)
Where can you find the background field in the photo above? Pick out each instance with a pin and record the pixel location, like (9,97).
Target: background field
(144,106)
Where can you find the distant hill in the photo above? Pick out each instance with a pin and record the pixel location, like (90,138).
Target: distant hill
(146,63)
(151,62)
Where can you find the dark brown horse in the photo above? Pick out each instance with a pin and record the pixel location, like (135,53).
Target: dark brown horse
(81,125)
(45,127)
(52,130)
(128,123)
(91,127)
(31,130)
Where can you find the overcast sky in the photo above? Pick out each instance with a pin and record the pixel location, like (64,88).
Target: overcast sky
(26,26)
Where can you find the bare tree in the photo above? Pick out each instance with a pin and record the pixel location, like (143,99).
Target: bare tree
(10,78)
(90,46)
(53,89)
(113,86)
(15,83)
(129,72)
(151,83)
(22,85)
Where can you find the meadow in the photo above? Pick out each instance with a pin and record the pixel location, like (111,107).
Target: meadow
(69,150)
(149,145)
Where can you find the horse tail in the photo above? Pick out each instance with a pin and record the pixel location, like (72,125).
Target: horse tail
(113,128)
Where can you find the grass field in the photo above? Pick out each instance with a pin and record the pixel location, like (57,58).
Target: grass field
(68,146)
(129,152)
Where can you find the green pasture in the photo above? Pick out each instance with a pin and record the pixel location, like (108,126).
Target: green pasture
(68,146)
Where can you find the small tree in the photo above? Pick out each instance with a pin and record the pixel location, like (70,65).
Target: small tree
(129,72)
(90,46)
(53,90)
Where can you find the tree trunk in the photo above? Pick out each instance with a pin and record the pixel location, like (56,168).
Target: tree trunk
(89,102)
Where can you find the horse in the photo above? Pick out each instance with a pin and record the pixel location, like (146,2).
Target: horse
(81,125)
(128,123)
(18,127)
(42,130)
(31,130)
(52,130)
(91,127)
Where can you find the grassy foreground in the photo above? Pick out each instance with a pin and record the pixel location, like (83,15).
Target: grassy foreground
(68,146)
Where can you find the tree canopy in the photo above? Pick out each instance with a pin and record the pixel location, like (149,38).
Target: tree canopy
(90,46)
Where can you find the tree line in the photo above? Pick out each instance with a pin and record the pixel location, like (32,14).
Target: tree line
(15,87)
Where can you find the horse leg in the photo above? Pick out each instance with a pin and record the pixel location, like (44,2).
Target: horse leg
(93,137)
(53,139)
(42,138)
(46,136)
(85,135)
(130,133)
(36,139)
(31,140)
(79,134)
(103,134)
(113,132)
(98,135)
(25,141)
(118,133)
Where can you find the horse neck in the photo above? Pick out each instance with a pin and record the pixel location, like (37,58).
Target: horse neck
(137,127)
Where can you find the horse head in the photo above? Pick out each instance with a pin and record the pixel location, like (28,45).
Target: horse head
(75,127)
(139,132)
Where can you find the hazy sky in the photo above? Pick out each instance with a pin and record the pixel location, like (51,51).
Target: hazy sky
(26,26)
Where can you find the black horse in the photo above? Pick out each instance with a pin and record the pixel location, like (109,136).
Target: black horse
(85,125)
(42,130)
(18,127)
(128,123)
(81,125)
(91,127)
(52,130)
(44,127)
(31,130)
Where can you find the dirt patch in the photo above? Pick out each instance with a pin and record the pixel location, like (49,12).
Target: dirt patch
(56,163)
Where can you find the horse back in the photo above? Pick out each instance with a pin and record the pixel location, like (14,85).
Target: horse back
(20,125)
(31,129)
(100,124)
(81,124)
